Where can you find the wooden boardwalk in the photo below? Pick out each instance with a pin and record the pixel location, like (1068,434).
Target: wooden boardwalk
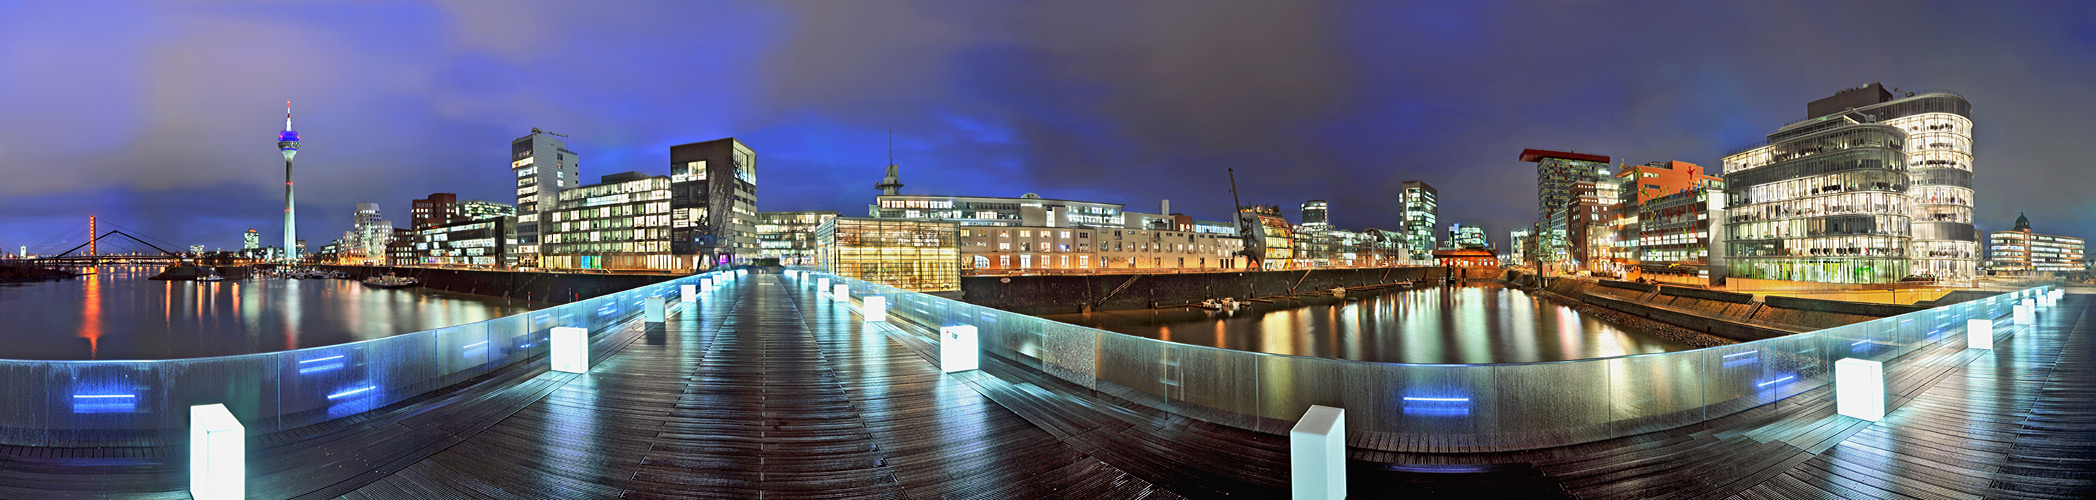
(770,392)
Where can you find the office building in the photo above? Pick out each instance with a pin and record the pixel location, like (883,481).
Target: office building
(714,203)
(1824,202)
(400,249)
(250,240)
(1589,218)
(543,167)
(1518,242)
(1421,205)
(1677,234)
(2021,252)
(1939,149)
(1026,210)
(620,223)
(1556,173)
(435,211)
(367,238)
(487,243)
(1642,183)
(1461,236)
(915,255)
(789,237)
(1316,216)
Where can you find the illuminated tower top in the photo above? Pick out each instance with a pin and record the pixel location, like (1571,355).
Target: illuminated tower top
(287,140)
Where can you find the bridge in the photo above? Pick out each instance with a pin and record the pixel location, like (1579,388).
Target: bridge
(767,388)
(129,249)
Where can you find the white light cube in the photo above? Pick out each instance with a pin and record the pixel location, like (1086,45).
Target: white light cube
(706,282)
(822,285)
(655,309)
(217,454)
(958,350)
(688,293)
(1979,333)
(2029,303)
(1317,454)
(843,292)
(2023,315)
(570,349)
(1859,388)
(874,308)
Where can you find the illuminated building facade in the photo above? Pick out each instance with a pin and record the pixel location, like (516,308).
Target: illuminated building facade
(250,240)
(2020,252)
(435,211)
(1677,233)
(1642,183)
(1589,219)
(714,203)
(1465,257)
(789,236)
(472,210)
(914,255)
(1824,203)
(367,239)
(543,167)
(1461,236)
(1269,240)
(1029,210)
(484,242)
(1317,216)
(620,223)
(1037,250)
(1518,242)
(1938,146)
(1556,173)
(1421,205)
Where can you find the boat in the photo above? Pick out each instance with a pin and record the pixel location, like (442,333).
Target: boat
(390,281)
(211,277)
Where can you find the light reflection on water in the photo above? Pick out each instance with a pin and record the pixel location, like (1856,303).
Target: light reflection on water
(1468,323)
(119,314)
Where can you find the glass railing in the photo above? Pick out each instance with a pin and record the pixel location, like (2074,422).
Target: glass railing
(1442,407)
(146,403)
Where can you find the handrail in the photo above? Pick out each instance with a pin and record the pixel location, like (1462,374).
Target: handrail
(1442,407)
(146,402)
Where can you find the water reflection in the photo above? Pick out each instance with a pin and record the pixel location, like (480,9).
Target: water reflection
(1471,323)
(111,315)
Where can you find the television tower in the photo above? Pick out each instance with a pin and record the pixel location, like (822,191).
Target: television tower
(288,143)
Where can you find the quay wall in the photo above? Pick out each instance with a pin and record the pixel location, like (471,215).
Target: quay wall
(1737,316)
(1072,293)
(530,286)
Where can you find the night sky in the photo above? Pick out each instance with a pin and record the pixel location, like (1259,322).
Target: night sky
(162,116)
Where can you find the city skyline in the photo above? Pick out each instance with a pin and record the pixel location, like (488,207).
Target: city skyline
(1336,111)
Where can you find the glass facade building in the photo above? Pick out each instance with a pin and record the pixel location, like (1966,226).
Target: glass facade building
(1421,205)
(1826,204)
(920,256)
(1556,173)
(789,236)
(2021,252)
(1317,216)
(1939,153)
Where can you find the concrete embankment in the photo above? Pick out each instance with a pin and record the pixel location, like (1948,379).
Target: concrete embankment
(530,286)
(1069,294)
(1734,316)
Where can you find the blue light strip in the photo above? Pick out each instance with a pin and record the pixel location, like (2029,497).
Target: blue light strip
(475,344)
(1735,355)
(350,392)
(103,396)
(320,360)
(1766,384)
(1440,400)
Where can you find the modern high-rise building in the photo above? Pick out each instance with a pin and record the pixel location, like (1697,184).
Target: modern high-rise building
(713,201)
(1589,219)
(2020,252)
(1556,172)
(543,166)
(1824,201)
(250,240)
(1421,205)
(435,211)
(1316,216)
(1467,237)
(1938,125)
(287,143)
(367,239)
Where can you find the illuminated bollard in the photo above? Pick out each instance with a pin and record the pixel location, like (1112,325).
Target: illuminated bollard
(570,349)
(1317,454)
(1979,333)
(843,292)
(655,309)
(2023,315)
(1859,388)
(217,454)
(2029,303)
(958,349)
(688,293)
(707,283)
(874,308)
(822,285)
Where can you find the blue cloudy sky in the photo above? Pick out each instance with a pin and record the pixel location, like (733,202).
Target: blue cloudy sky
(161,116)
